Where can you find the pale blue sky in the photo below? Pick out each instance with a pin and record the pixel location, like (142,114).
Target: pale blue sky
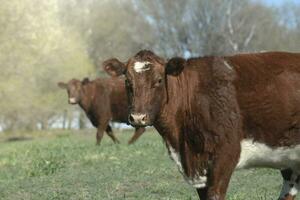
(278,2)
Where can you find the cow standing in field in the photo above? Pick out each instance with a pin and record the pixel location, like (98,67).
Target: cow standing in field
(103,100)
(218,114)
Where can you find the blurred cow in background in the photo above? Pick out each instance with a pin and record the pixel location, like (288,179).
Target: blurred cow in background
(103,100)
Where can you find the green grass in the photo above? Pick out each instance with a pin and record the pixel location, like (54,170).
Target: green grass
(68,165)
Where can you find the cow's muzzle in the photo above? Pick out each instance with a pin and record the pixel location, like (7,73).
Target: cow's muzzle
(138,119)
(72,100)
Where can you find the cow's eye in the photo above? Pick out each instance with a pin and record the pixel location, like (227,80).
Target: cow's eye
(157,83)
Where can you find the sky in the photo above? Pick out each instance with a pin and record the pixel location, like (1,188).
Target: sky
(278,2)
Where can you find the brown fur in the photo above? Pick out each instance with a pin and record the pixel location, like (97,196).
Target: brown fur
(207,106)
(103,100)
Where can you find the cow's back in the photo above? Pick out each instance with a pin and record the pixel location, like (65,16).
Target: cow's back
(110,102)
(268,93)
(98,110)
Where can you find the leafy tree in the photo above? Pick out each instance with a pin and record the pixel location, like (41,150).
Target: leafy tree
(36,52)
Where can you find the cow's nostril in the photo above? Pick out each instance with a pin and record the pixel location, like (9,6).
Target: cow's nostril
(144,118)
(131,119)
(138,119)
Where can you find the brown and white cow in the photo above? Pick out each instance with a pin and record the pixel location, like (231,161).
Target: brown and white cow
(218,114)
(103,100)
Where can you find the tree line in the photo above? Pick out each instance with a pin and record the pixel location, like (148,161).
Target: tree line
(43,42)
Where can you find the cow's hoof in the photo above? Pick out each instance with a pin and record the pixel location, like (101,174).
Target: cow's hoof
(288,197)
(214,197)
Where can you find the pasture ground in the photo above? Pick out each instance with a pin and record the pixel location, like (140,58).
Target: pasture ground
(68,165)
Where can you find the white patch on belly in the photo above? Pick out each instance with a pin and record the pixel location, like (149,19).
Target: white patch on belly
(141,66)
(255,154)
(197,181)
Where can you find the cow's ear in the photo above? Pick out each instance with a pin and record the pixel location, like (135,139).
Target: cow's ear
(114,67)
(62,85)
(85,81)
(175,66)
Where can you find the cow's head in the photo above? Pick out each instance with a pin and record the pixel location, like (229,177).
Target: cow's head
(146,75)
(75,89)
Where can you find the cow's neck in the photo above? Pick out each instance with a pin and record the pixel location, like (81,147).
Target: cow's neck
(87,98)
(177,102)
(166,123)
(177,134)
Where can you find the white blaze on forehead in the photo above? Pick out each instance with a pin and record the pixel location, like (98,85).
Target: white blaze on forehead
(141,66)
(227,65)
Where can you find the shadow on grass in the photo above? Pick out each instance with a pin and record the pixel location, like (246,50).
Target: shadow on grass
(18,139)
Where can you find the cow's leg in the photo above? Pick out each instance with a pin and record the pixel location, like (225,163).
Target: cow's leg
(111,134)
(290,185)
(138,132)
(99,135)
(202,193)
(221,171)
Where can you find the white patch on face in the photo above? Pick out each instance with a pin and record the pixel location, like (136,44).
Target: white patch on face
(197,181)
(141,66)
(287,189)
(255,154)
(227,65)
(72,100)
(139,118)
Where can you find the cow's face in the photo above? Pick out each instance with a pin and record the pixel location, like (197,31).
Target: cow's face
(75,90)
(145,84)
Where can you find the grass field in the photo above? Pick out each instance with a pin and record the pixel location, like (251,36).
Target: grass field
(68,165)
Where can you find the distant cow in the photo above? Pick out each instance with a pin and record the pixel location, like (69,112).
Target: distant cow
(103,100)
(218,114)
